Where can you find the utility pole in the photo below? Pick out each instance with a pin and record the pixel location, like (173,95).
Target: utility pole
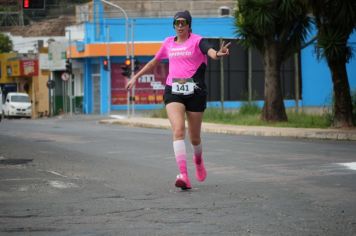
(132,66)
(109,64)
(296,81)
(21,21)
(249,52)
(70,74)
(222,94)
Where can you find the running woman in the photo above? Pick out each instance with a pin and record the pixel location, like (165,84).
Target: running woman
(185,91)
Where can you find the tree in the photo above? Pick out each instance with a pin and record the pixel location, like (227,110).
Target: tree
(336,20)
(277,29)
(5,43)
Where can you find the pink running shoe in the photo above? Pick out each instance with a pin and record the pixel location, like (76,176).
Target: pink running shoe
(200,172)
(183,182)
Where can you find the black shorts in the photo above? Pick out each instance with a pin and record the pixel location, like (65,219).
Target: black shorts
(195,102)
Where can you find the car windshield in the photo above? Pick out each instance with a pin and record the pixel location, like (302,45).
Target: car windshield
(19,98)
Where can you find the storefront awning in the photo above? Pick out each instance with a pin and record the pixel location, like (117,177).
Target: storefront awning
(113,49)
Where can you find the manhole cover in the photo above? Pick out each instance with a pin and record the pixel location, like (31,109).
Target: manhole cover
(15,161)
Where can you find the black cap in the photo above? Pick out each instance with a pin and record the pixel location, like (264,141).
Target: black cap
(184,14)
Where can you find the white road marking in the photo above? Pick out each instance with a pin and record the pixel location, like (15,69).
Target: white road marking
(62,185)
(24,188)
(114,152)
(349,165)
(20,179)
(56,173)
(118,117)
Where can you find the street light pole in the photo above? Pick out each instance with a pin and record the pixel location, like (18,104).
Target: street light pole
(127,43)
(126,24)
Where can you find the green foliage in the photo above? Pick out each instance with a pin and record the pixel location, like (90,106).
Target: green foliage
(262,22)
(249,109)
(277,28)
(335,20)
(5,43)
(159,113)
(298,120)
(250,115)
(332,45)
(215,114)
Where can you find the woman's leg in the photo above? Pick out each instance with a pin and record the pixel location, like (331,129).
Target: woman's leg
(194,127)
(195,120)
(176,116)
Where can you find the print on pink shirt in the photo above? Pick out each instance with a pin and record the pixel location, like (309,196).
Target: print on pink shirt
(187,55)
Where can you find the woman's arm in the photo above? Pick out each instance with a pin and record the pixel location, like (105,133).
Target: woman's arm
(223,51)
(147,68)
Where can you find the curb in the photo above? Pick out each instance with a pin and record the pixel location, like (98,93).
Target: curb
(306,133)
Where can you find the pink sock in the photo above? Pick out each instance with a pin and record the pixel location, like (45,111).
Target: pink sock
(198,151)
(181,155)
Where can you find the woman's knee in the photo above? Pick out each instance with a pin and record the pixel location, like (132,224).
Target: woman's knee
(178,133)
(195,140)
(194,135)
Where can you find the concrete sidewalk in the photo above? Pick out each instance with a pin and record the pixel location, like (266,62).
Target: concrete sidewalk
(332,134)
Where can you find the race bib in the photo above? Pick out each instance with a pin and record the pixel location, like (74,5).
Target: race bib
(183,86)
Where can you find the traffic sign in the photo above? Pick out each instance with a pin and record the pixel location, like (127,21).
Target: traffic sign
(65,76)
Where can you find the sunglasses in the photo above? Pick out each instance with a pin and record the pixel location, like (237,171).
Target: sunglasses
(183,22)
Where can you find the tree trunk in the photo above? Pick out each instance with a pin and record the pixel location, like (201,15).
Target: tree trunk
(342,98)
(273,108)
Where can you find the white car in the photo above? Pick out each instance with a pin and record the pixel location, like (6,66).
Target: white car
(17,105)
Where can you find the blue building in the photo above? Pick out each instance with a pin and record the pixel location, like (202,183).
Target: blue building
(108,38)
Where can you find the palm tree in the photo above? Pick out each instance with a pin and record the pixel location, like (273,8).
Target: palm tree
(277,28)
(336,20)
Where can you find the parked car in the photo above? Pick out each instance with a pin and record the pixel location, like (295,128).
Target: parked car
(17,105)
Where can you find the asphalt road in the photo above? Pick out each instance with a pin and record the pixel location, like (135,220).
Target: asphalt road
(74,176)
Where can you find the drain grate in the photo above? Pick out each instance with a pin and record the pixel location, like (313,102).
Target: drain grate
(15,161)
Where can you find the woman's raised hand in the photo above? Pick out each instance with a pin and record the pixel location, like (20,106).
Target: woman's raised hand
(224,49)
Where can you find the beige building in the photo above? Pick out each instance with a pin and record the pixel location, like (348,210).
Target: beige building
(167,8)
(21,73)
(159,8)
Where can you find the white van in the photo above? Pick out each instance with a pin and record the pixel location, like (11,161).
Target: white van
(17,105)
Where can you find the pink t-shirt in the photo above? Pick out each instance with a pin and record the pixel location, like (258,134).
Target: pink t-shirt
(184,58)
